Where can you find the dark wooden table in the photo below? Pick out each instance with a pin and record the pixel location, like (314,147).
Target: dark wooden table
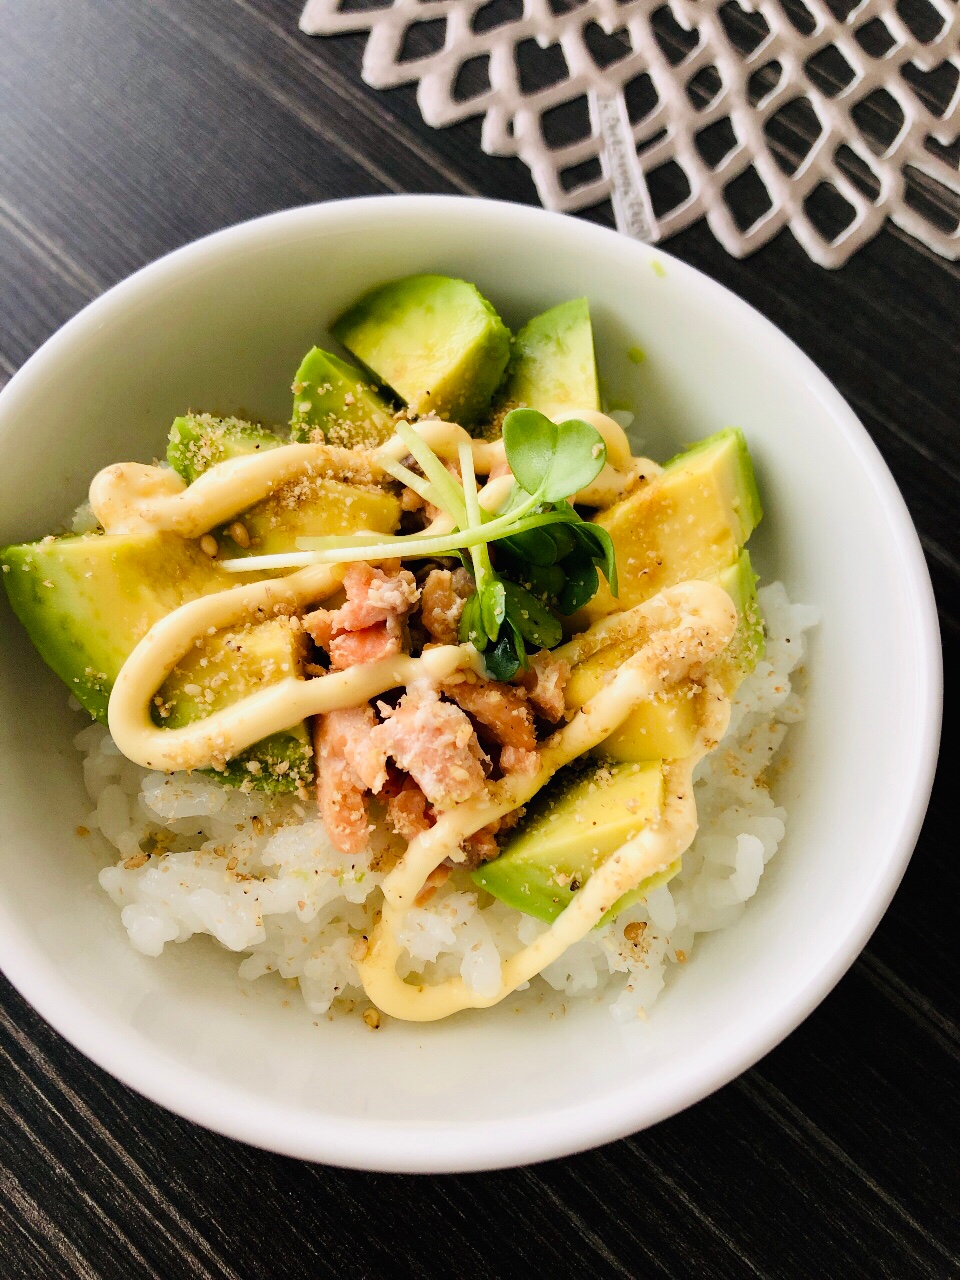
(127,129)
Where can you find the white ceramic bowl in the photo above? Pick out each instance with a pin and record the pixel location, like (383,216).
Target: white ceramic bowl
(221,325)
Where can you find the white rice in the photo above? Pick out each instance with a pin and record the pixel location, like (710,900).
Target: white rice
(260,875)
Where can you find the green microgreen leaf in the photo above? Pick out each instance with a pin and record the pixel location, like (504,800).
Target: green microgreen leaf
(581,584)
(471,629)
(580,457)
(343,549)
(419,484)
(489,587)
(493,606)
(567,510)
(502,661)
(550,555)
(519,646)
(445,484)
(543,581)
(600,546)
(530,440)
(471,500)
(552,461)
(536,546)
(563,539)
(531,618)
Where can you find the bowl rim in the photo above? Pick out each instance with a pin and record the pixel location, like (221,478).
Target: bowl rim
(466,1147)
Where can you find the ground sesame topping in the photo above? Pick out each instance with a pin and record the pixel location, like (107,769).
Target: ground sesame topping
(238,532)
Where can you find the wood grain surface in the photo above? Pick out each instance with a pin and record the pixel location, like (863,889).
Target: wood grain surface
(127,129)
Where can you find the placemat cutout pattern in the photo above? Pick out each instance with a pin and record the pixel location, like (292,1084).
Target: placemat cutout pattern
(827,118)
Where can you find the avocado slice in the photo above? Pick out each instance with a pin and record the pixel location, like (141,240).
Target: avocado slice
(311,506)
(580,818)
(748,644)
(227,667)
(86,601)
(332,402)
(198,441)
(314,507)
(436,341)
(690,521)
(553,366)
(569,830)
(665,728)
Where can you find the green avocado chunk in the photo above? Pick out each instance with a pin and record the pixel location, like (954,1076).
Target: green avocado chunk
(749,640)
(310,507)
(665,728)
(568,832)
(198,441)
(229,666)
(435,341)
(689,521)
(86,601)
(332,402)
(553,366)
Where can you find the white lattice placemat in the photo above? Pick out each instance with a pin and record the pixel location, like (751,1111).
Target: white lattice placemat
(754,115)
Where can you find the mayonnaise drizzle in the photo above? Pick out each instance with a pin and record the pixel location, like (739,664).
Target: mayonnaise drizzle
(649,852)
(686,626)
(131,497)
(689,625)
(227,732)
(621,470)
